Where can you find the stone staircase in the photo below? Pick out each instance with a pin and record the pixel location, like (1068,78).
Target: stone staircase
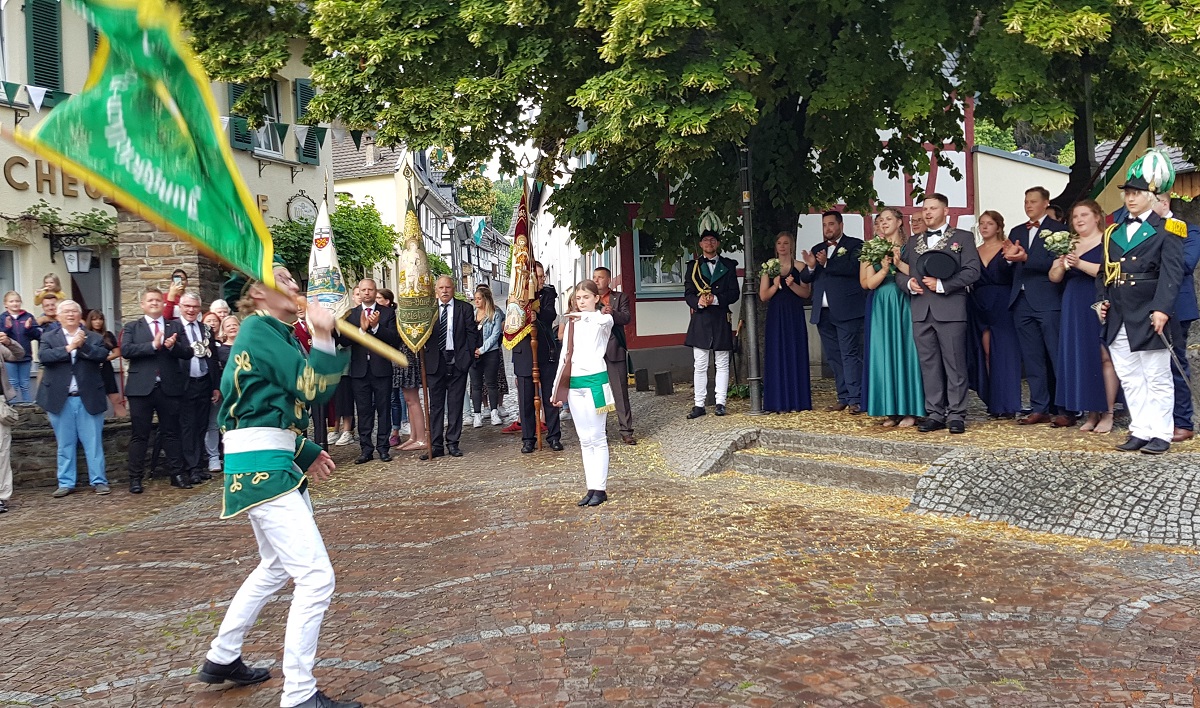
(860,463)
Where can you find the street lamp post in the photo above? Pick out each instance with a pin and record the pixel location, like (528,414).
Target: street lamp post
(749,289)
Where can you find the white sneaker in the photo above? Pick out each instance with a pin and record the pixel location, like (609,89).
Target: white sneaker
(499,410)
(496,420)
(565,415)
(477,420)
(404,429)
(346,438)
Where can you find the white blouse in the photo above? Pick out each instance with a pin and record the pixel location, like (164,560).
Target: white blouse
(592,331)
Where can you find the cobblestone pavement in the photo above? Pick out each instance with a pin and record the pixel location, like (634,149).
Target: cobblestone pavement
(478,581)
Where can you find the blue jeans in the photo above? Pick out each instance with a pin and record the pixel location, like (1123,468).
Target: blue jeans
(18,376)
(399,409)
(74,425)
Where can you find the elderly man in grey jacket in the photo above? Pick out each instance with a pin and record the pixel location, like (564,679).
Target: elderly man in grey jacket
(9,351)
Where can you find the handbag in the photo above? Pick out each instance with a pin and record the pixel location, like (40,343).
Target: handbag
(562,386)
(8,415)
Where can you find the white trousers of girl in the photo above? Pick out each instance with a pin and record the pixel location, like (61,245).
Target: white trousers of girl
(291,548)
(1149,388)
(593,438)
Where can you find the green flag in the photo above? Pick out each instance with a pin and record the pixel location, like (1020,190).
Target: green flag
(146,131)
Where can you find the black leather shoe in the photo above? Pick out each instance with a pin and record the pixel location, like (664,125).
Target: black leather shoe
(385,457)
(1132,444)
(237,672)
(697,411)
(178,480)
(320,700)
(929,425)
(454,451)
(556,445)
(856,409)
(1157,446)
(364,458)
(195,479)
(431,455)
(598,498)
(586,498)
(527,447)
(720,409)
(135,486)
(957,427)
(204,476)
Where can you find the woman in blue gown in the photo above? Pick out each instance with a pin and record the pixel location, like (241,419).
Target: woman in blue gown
(891,366)
(785,359)
(1086,381)
(995,353)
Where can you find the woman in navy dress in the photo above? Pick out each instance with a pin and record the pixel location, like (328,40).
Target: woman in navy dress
(1086,381)
(785,360)
(995,371)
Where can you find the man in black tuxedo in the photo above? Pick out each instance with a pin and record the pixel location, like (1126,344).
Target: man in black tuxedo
(449,354)
(371,374)
(838,307)
(522,360)
(202,389)
(1036,304)
(710,287)
(72,394)
(154,385)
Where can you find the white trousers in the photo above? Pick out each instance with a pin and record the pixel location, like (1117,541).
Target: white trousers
(1149,389)
(291,547)
(593,439)
(700,359)
(6,473)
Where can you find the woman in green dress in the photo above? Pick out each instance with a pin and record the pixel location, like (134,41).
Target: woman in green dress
(892,370)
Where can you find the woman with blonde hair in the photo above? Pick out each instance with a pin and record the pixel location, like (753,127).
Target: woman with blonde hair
(583,374)
(485,371)
(785,357)
(993,348)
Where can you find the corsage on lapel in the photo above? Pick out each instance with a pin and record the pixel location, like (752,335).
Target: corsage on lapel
(840,252)
(956,247)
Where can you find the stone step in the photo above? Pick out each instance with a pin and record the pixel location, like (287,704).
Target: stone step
(842,445)
(865,474)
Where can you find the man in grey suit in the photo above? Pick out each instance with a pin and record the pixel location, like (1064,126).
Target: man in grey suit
(939,313)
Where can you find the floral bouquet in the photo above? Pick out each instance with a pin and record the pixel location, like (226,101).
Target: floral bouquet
(1060,243)
(875,250)
(771,268)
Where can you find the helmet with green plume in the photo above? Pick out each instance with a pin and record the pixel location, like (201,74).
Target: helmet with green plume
(710,225)
(1152,172)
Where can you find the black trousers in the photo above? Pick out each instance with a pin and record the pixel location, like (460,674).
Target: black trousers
(486,372)
(373,399)
(447,393)
(1183,394)
(525,405)
(193,424)
(142,410)
(1037,333)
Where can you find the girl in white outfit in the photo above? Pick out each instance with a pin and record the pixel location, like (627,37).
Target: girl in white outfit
(590,394)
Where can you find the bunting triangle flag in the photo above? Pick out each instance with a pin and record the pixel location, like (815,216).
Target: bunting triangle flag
(10,92)
(356,135)
(326,284)
(521,311)
(37,95)
(281,129)
(301,135)
(339,135)
(321,135)
(224,124)
(416,308)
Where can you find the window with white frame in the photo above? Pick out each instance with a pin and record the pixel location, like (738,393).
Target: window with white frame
(267,137)
(8,269)
(653,273)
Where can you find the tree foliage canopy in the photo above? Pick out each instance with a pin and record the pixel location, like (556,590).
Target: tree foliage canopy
(359,234)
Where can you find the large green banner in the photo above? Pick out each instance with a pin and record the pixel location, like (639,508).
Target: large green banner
(146,131)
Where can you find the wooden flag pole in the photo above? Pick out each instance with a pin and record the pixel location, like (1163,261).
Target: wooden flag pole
(537,386)
(351,332)
(425,404)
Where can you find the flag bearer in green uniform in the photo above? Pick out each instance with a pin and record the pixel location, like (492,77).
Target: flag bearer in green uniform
(267,389)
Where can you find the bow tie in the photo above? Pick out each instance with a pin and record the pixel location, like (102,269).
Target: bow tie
(712,261)
(1131,219)
(933,234)
(1033,224)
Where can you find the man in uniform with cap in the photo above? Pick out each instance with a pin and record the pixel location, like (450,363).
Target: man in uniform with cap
(710,286)
(1136,293)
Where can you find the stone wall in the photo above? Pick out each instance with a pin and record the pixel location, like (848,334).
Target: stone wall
(35,457)
(149,255)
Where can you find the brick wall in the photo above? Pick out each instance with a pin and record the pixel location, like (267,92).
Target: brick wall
(35,458)
(148,255)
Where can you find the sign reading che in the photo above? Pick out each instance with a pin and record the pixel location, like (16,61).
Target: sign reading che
(47,178)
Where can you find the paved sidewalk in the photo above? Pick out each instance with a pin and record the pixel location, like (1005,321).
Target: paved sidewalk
(478,581)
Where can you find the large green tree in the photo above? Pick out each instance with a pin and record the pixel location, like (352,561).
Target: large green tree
(361,238)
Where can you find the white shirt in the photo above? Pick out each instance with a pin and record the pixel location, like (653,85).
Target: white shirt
(367,310)
(932,237)
(448,308)
(712,267)
(194,334)
(74,387)
(1033,230)
(162,328)
(1131,229)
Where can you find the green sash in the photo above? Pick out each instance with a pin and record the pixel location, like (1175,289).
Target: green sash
(598,384)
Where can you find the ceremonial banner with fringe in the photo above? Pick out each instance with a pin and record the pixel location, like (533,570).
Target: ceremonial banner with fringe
(416,308)
(146,132)
(326,284)
(523,304)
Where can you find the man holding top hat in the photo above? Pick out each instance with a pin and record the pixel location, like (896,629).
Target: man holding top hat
(942,263)
(1135,294)
(710,287)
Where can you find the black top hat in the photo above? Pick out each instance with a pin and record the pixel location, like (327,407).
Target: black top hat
(937,264)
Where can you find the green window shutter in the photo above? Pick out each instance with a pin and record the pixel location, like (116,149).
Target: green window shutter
(93,37)
(240,135)
(310,152)
(43,42)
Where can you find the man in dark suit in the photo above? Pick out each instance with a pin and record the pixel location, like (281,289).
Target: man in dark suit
(371,374)
(1186,312)
(838,307)
(939,314)
(202,389)
(522,361)
(617,304)
(154,385)
(449,354)
(710,286)
(72,394)
(1036,304)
